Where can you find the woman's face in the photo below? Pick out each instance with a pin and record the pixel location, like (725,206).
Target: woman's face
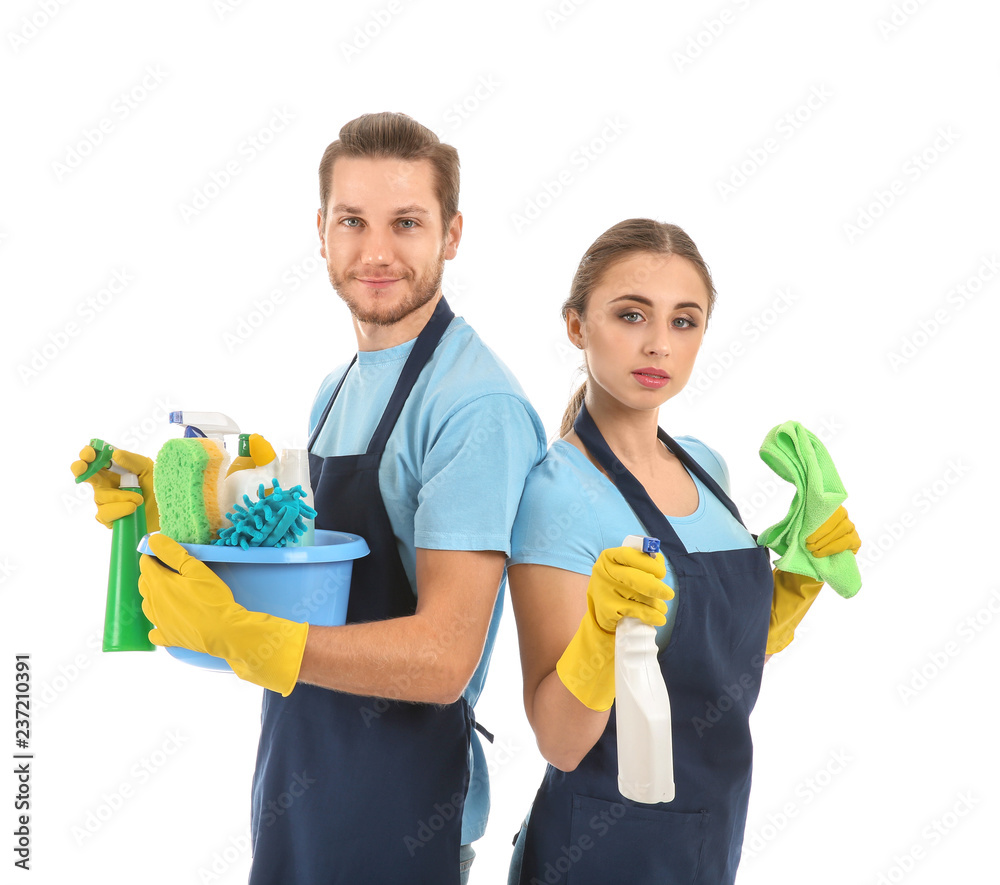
(642,329)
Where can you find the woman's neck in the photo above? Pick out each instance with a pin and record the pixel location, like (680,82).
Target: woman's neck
(629,433)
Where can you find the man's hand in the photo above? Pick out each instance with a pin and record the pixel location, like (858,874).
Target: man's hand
(193,608)
(112,502)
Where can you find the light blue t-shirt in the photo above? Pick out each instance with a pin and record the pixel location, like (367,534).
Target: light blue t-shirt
(453,469)
(570,512)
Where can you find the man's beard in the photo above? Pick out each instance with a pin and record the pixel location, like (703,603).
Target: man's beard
(422,290)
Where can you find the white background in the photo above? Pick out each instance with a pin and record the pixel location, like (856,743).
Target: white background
(874,733)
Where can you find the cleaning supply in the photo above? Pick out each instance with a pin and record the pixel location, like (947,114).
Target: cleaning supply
(275,520)
(793,593)
(642,707)
(294,471)
(125,626)
(623,583)
(193,608)
(187,481)
(255,465)
(210,425)
(797,456)
(112,501)
(310,584)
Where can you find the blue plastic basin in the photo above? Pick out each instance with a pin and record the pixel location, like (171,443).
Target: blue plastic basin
(308,584)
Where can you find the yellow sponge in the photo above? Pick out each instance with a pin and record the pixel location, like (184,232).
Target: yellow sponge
(187,481)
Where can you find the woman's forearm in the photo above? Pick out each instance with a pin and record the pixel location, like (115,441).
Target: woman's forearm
(565,729)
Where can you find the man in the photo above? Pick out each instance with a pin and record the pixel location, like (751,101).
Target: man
(421,447)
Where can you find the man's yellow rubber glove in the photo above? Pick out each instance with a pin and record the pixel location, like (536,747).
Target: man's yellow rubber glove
(624,583)
(794,594)
(112,503)
(193,608)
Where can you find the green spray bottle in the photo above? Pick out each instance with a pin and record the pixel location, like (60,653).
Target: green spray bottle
(126,628)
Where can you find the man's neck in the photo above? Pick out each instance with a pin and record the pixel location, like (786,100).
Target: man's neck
(372,337)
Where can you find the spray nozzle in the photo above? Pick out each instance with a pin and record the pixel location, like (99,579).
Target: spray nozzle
(213,425)
(103,460)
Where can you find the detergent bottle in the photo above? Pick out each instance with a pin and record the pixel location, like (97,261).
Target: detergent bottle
(642,707)
(256,465)
(126,628)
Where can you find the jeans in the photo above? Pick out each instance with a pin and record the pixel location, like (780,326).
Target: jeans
(466,856)
(517,857)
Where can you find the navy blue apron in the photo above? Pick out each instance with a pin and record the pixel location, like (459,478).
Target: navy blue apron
(581,830)
(352,789)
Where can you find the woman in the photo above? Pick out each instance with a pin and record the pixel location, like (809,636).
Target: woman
(638,308)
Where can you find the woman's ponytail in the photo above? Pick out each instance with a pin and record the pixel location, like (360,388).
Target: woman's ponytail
(569,416)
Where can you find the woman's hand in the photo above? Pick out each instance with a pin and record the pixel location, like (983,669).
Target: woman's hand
(624,583)
(794,594)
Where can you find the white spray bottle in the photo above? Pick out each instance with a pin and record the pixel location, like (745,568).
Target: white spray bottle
(642,707)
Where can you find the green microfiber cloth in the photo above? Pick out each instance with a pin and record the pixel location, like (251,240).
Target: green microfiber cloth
(797,456)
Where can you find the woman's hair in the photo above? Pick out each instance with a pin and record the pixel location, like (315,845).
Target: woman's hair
(397,137)
(624,239)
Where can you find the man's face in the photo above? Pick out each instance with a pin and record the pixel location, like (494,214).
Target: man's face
(383,238)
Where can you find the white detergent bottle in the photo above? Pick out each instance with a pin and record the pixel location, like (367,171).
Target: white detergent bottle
(294,471)
(245,476)
(642,707)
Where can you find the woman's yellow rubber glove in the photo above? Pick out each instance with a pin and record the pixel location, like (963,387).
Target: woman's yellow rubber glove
(794,594)
(624,583)
(112,503)
(193,608)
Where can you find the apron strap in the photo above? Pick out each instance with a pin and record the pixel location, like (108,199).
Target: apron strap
(424,346)
(702,474)
(633,491)
(329,405)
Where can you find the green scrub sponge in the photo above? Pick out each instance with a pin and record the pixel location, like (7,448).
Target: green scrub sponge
(187,480)
(797,456)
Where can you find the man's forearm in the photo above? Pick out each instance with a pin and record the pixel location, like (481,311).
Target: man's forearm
(404,658)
